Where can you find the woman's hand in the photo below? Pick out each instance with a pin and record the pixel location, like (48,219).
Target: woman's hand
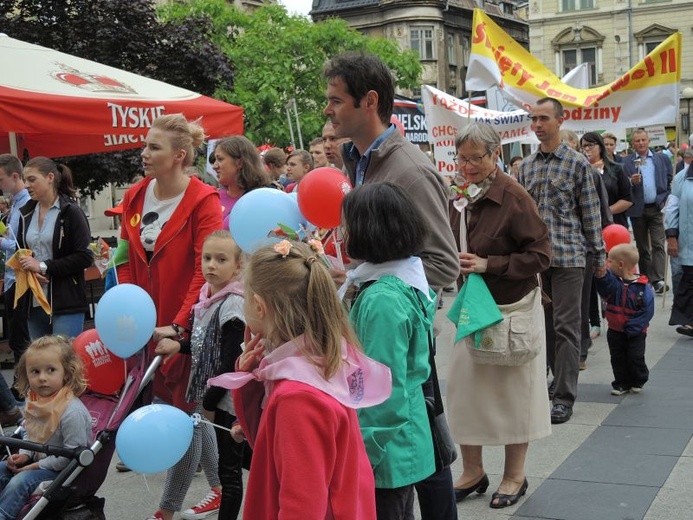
(252,355)
(167,348)
(29,263)
(164,332)
(29,467)
(471,263)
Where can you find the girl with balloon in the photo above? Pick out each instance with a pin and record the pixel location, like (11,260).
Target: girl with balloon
(49,375)
(166,218)
(300,346)
(215,344)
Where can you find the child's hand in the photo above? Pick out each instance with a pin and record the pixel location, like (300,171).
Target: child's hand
(28,467)
(600,272)
(167,348)
(237,433)
(338,276)
(16,460)
(163,332)
(252,355)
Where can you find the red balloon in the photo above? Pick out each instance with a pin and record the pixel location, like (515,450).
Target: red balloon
(320,196)
(615,234)
(104,371)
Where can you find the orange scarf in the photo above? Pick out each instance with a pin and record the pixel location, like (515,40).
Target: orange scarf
(26,280)
(42,414)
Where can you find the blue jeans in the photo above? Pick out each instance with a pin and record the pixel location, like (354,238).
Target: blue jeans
(16,489)
(70,325)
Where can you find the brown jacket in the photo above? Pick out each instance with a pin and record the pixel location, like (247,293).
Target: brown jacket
(504,226)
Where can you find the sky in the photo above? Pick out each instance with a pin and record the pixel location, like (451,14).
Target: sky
(297,6)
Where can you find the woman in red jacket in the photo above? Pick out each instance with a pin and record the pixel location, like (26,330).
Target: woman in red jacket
(166,218)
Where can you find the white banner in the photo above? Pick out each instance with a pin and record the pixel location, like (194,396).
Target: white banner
(446,114)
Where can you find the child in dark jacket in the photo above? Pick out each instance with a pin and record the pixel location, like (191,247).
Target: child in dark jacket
(629,309)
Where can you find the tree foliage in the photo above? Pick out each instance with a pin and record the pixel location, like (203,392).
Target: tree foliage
(127,35)
(277,57)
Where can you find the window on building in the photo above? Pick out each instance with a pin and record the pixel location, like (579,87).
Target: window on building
(650,46)
(571,58)
(465,51)
(421,38)
(452,50)
(576,5)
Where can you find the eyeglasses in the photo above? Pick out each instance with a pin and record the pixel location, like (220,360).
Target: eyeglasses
(474,161)
(587,146)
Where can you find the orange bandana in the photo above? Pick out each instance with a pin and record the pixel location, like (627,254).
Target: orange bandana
(42,414)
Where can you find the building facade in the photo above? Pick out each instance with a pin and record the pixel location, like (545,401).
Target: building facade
(611,36)
(440,30)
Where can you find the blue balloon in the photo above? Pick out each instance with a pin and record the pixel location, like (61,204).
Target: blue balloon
(153,438)
(258,213)
(125,319)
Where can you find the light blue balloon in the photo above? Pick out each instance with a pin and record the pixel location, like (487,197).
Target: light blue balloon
(153,438)
(259,212)
(125,319)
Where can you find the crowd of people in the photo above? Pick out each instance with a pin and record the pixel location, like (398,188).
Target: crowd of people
(340,362)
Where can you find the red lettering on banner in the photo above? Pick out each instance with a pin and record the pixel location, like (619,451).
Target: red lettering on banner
(441,130)
(444,167)
(517,67)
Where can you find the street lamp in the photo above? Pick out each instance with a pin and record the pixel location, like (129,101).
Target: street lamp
(687,94)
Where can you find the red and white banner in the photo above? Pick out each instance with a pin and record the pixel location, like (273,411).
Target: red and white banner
(60,105)
(446,115)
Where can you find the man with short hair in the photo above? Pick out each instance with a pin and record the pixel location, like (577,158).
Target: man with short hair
(650,176)
(332,146)
(12,183)
(317,150)
(560,181)
(298,163)
(275,162)
(360,97)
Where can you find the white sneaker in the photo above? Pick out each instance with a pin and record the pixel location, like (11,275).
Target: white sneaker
(208,506)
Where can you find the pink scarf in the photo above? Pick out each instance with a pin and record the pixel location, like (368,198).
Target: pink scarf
(205,301)
(360,382)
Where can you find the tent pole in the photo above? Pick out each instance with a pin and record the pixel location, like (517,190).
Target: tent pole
(13,144)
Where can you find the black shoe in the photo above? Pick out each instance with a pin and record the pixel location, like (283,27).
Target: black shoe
(11,417)
(480,487)
(686,330)
(660,286)
(619,390)
(560,413)
(509,500)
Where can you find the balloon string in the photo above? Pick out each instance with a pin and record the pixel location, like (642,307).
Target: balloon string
(146,484)
(338,251)
(197,418)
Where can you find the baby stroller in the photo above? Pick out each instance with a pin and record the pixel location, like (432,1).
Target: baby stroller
(72,495)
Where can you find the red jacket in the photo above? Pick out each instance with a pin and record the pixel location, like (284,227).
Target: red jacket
(309,461)
(173,277)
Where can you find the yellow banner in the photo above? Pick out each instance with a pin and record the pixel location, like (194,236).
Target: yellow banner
(496,58)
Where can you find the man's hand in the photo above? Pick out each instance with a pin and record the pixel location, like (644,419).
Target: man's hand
(673,246)
(163,332)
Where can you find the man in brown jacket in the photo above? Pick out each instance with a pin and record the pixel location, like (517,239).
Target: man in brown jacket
(360,96)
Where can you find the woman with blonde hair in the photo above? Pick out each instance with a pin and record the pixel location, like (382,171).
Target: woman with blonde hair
(166,218)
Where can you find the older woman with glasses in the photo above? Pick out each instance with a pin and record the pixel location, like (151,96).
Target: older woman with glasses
(507,244)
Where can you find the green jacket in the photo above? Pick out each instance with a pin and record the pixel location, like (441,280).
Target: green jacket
(394,330)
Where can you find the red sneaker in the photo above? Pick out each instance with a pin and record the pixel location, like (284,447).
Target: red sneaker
(209,505)
(156,516)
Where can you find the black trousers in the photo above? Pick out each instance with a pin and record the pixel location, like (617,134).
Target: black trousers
(230,467)
(627,359)
(17,319)
(395,503)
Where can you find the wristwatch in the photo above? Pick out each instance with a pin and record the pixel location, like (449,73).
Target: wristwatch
(43,267)
(179,330)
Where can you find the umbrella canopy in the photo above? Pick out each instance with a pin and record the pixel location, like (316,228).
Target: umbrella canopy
(55,104)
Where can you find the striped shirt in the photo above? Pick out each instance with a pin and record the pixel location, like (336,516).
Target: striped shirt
(561,184)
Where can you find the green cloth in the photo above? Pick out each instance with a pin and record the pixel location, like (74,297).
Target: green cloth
(474,309)
(120,256)
(394,329)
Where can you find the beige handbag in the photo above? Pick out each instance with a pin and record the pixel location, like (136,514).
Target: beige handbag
(517,339)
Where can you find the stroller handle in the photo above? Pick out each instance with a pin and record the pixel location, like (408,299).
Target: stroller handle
(149,374)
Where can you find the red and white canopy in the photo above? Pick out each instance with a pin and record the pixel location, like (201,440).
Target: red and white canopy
(54,104)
